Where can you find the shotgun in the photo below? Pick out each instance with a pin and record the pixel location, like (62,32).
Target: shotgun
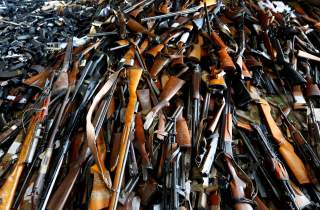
(239,184)
(134,78)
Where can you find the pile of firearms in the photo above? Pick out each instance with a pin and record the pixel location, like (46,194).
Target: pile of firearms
(159,104)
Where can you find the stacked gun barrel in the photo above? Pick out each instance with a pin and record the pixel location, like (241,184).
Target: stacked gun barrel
(159,104)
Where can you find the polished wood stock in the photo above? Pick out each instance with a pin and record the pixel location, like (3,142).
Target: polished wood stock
(286,150)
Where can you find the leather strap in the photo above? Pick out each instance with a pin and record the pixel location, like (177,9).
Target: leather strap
(91,135)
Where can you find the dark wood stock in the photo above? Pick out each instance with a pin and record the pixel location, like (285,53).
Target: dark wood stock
(38,80)
(237,187)
(312,90)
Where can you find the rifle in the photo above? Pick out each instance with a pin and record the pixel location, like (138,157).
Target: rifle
(171,162)
(196,82)
(68,131)
(294,195)
(293,76)
(286,150)
(36,162)
(245,74)
(134,77)
(238,184)
(91,133)
(303,146)
(262,170)
(8,189)
(42,172)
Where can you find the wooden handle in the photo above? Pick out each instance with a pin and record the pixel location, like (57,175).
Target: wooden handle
(285,148)
(218,40)
(226,62)
(171,88)
(140,139)
(8,189)
(155,50)
(183,135)
(195,53)
(237,187)
(158,65)
(134,78)
(144,99)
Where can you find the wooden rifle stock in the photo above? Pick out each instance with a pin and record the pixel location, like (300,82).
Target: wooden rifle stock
(304,147)
(61,195)
(183,135)
(237,184)
(217,79)
(137,27)
(226,62)
(195,54)
(285,148)
(91,133)
(39,79)
(154,51)
(134,78)
(144,99)
(159,63)
(62,82)
(238,187)
(8,189)
(296,197)
(172,86)
(140,141)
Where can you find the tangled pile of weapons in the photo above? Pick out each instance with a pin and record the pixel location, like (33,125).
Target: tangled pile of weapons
(159,104)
